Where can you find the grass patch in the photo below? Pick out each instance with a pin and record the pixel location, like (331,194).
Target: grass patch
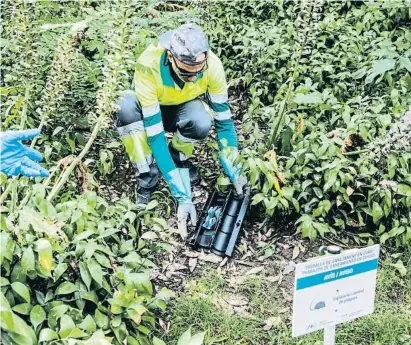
(265,297)
(390,324)
(221,327)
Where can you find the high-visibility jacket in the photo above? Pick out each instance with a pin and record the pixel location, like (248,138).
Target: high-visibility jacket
(154,86)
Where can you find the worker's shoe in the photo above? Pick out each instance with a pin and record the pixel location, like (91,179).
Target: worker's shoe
(192,169)
(143,195)
(147,183)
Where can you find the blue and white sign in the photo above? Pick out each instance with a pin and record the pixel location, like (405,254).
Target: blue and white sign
(334,289)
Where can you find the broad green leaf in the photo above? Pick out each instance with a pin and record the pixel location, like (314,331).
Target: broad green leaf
(95,271)
(28,260)
(151,205)
(39,223)
(65,288)
(90,296)
(45,254)
(359,73)
(4,281)
(185,337)
(47,334)
(406,63)
(197,339)
(88,324)
(83,235)
(85,274)
(37,315)
(165,294)
(102,320)
(109,233)
(76,333)
(102,260)
(22,308)
(305,184)
(46,208)
(59,270)
(157,341)
(160,221)
(311,98)
(126,247)
(385,120)
(288,192)
(384,237)
(132,257)
(403,189)
(399,265)
(25,333)
(57,312)
(21,290)
(140,281)
(66,326)
(377,212)
(6,315)
(370,78)
(98,338)
(149,235)
(258,198)
(382,66)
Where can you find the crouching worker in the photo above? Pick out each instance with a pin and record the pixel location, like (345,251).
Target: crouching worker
(171,82)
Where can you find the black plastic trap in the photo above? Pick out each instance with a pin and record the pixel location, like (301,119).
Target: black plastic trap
(220,223)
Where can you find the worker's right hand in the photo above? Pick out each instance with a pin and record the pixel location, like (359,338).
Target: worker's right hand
(185,210)
(239,184)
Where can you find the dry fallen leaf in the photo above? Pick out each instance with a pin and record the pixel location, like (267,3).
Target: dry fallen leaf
(165,326)
(349,191)
(236,300)
(192,263)
(272,322)
(254,270)
(213,258)
(296,252)
(224,261)
(290,267)
(176,267)
(273,279)
(191,254)
(241,311)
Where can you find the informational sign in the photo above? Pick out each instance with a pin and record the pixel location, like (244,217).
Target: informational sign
(334,289)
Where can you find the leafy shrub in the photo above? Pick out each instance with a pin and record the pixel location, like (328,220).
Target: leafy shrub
(74,267)
(324,79)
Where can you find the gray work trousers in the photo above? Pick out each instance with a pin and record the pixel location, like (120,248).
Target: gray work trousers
(190,121)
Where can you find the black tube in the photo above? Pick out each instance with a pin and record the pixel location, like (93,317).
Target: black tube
(220,241)
(217,252)
(227,225)
(205,238)
(232,209)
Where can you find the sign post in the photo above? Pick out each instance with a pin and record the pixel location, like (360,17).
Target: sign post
(329,335)
(334,289)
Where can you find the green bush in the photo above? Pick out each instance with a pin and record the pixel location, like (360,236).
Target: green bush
(326,138)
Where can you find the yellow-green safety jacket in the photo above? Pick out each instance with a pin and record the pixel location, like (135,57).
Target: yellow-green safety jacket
(154,86)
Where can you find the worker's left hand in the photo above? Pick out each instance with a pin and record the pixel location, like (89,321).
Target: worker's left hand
(17,158)
(239,185)
(185,210)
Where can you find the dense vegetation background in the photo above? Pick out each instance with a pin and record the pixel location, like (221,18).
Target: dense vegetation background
(320,90)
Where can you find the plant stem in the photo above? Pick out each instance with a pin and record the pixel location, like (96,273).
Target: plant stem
(355,152)
(22,125)
(25,106)
(287,95)
(282,107)
(63,178)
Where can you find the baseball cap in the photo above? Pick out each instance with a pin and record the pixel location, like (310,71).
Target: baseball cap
(185,43)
